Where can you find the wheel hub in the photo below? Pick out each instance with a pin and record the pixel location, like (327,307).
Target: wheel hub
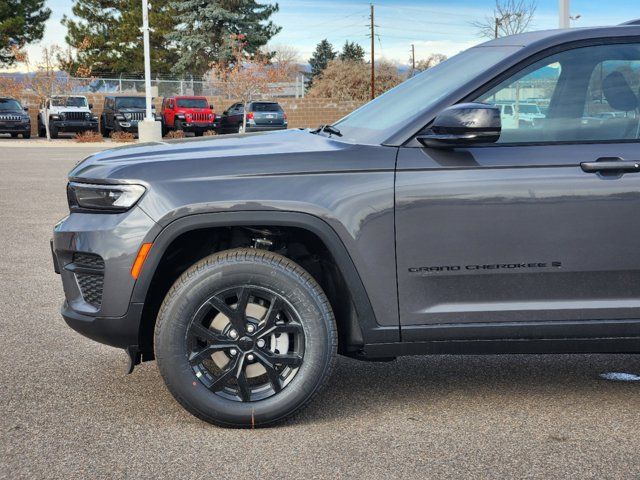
(245,344)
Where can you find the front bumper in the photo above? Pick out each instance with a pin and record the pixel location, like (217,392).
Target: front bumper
(98,291)
(199,127)
(128,126)
(74,125)
(15,127)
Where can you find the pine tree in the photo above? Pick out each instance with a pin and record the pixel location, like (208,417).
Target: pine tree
(21,23)
(321,57)
(204,29)
(352,52)
(107,39)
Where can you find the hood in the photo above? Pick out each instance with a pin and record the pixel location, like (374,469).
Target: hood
(14,112)
(286,151)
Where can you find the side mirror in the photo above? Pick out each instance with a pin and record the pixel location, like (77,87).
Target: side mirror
(26,109)
(211,107)
(463,124)
(90,106)
(226,112)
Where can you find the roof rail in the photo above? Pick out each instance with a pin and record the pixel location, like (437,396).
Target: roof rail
(632,22)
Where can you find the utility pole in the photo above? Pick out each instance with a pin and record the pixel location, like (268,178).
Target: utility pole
(413,58)
(496,28)
(564,9)
(373,61)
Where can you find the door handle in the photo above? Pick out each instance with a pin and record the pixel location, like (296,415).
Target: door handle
(611,165)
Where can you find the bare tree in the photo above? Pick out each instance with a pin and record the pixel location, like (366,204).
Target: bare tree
(431,61)
(509,17)
(247,79)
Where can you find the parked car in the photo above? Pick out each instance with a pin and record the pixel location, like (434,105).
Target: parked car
(415,225)
(122,114)
(189,114)
(14,118)
(261,116)
(520,114)
(67,114)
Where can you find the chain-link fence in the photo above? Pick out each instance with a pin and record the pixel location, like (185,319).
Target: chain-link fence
(168,87)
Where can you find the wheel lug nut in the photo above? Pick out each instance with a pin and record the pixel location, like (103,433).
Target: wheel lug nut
(250,357)
(233,351)
(233,334)
(250,328)
(260,343)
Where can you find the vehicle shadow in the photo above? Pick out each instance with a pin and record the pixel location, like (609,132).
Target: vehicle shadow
(411,384)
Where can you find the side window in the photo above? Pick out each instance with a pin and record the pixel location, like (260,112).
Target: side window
(579,95)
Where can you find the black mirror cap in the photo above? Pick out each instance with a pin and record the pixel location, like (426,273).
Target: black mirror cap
(26,109)
(90,106)
(463,124)
(210,107)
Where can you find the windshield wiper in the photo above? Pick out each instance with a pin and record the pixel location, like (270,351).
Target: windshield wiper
(330,129)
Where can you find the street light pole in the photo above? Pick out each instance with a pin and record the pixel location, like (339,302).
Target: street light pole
(148,130)
(563,10)
(147,58)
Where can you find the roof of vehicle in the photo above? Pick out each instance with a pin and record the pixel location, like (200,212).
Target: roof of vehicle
(565,35)
(189,97)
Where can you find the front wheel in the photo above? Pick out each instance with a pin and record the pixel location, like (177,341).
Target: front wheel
(245,338)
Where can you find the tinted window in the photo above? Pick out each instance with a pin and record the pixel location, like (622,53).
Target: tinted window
(192,103)
(69,101)
(379,119)
(130,102)
(7,105)
(265,107)
(584,94)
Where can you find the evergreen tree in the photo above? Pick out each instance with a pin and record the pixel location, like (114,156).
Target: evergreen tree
(205,27)
(321,57)
(107,39)
(352,52)
(21,23)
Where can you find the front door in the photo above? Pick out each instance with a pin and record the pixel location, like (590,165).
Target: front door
(536,235)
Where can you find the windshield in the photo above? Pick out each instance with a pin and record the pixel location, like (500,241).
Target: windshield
(193,103)
(7,105)
(376,121)
(69,102)
(131,102)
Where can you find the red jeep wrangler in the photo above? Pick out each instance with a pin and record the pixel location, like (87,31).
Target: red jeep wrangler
(190,114)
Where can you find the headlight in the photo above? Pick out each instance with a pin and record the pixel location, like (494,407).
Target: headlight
(180,115)
(55,117)
(127,116)
(112,198)
(88,116)
(119,116)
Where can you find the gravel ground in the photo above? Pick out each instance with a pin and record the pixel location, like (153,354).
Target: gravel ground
(68,411)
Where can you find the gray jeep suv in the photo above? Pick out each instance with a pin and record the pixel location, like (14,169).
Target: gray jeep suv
(418,224)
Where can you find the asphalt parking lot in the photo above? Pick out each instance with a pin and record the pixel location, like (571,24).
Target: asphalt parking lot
(68,411)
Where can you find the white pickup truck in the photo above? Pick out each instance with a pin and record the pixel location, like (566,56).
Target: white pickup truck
(66,114)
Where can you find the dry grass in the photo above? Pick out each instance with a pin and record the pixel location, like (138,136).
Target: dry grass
(124,137)
(175,134)
(209,133)
(88,136)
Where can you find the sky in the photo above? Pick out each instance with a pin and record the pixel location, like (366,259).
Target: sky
(433,26)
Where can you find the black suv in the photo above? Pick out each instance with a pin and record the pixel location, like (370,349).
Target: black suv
(122,114)
(244,264)
(261,117)
(14,118)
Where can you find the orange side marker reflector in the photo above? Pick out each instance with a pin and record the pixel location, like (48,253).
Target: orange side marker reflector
(140,258)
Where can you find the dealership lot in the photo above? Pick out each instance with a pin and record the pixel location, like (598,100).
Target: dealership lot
(68,411)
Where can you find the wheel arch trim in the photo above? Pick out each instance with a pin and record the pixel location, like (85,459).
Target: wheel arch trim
(372,332)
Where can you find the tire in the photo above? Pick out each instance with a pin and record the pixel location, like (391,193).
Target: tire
(42,132)
(178,125)
(53,131)
(103,128)
(26,135)
(187,316)
(14,135)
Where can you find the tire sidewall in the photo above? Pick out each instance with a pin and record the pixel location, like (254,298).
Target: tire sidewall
(201,284)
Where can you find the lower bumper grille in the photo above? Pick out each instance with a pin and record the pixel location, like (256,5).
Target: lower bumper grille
(89,272)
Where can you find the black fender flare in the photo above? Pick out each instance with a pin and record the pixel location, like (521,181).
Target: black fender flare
(372,332)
